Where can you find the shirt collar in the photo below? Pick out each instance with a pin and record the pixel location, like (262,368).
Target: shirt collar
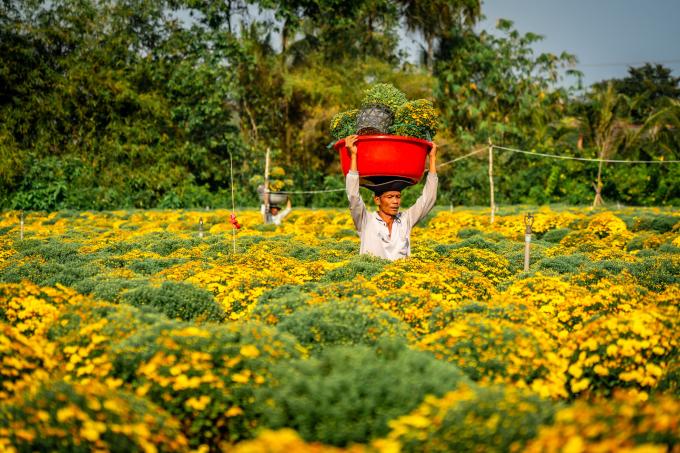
(397,218)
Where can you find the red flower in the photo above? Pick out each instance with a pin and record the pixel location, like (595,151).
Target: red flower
(234,222)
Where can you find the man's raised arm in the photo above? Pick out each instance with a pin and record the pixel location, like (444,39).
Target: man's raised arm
(428,198)
(357,208)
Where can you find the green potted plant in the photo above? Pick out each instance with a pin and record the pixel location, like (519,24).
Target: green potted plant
(381,101)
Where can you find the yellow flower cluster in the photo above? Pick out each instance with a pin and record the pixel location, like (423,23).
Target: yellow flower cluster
(22,361)
(31,309)
(631,348)
(287,440)
(461,421)
(93,417)
(418,115)
(629,421)
(498,350)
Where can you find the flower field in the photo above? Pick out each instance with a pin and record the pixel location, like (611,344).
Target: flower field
(129,331)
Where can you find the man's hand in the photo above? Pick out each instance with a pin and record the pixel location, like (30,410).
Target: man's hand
(289,204)
(433,151)
(350,143)
(433,158)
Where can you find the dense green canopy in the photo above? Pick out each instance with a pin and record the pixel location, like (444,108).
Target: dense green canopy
(133,103)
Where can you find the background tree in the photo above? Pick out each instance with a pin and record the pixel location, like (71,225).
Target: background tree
(438,19)
(650,85)
(493,87)
(605,121)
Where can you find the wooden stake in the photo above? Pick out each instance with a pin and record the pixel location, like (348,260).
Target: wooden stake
(528,221)
(598,187)
(200,227)
(491,191)
(21,229)
(233,204)
(266,185)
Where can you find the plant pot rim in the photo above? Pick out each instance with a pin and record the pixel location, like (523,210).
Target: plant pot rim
(385,137)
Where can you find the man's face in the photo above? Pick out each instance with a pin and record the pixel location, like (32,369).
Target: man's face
(274,210)
(389,202)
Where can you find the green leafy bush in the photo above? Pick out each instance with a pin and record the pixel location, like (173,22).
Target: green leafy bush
(657,272)
(442,317)
(564,264)
(119,322)
(478,242)
(348,394)
(465,233)
(661,223)
(384,94)
(150,266)
(341,322)
(365,265)
(107,288)
(52,249)
(279,302)
(556,235)
(177,300)
(49,273)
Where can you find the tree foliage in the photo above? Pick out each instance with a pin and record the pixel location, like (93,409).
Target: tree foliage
(129,103)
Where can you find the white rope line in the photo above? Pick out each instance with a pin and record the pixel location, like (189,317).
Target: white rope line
(477,151)
(586,159)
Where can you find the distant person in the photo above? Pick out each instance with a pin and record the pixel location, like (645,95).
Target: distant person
(275,214)
(386,233)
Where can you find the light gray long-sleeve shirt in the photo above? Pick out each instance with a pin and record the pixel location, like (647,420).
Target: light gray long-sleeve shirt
(275,219)
(373,231)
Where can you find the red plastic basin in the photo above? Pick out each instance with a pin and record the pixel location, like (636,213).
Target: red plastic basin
(387,155)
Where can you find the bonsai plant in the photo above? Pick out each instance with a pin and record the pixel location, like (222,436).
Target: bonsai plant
(380,103)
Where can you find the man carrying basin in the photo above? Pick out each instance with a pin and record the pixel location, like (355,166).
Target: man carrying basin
(386,233)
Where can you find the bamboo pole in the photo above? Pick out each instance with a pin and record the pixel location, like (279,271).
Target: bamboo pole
(598,186)
(491,189)
(233,203)
(266,186)
(528,221)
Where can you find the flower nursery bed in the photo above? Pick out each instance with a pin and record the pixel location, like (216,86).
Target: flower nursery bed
(127,331)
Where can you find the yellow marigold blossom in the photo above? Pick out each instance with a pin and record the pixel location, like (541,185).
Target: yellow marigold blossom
(249,351)
(287,440)
(624,422)
(199,403)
